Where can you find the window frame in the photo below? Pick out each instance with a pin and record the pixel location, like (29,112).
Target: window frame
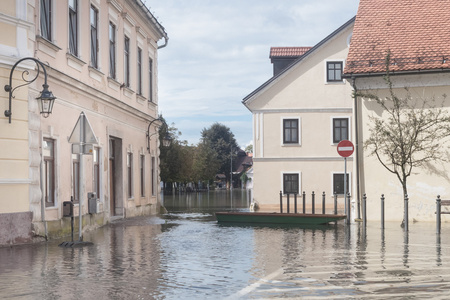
(150,79)
(130,175)
(142,174)
(333,182)
(126,61)
(49,187)
(45,18)
(295,178)
(94,36)
(112,50)
(334,62)
(335,140)
(139,71)
(285,141)
(76,177)
(153,175)
(96,171)
(73,28)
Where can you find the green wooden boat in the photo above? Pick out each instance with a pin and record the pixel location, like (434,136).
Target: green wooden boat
(277,218)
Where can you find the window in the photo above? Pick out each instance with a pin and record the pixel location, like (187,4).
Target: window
(142,174)
(46,19)
(139,71)
(73,27)
(290,184)
(340,129)
(94,37)
(150,79)
(75,178)
(290,131)
(338,183)
(130,174)
(334,71)
(153,177)
(126,62)
(112,50)
(48,152)
(96,159)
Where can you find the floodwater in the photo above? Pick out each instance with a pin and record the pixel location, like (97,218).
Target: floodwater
(185,254)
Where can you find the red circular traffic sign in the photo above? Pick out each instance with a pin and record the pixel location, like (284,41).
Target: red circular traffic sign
(345,148)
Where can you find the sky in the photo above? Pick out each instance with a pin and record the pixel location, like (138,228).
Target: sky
(218,53)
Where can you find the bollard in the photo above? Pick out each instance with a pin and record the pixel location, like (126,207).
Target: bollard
(382,211)
(323,203)
(281,202)
(438,214)
(348,208)
(335,203)
(304,202)
(295,203)
(288,203)
(406,213)
(313,209)
(364,206)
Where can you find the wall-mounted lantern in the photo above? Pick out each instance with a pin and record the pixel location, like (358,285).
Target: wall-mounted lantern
(45,99)
(166,140)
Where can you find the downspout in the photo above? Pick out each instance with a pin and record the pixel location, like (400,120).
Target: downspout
(166,40)
(355,105)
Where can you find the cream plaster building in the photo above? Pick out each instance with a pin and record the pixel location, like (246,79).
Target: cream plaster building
(299,117)
(415,33)
(101,59)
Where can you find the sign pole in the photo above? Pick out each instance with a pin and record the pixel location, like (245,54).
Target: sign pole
(345,149)
(80,184)
(347,203)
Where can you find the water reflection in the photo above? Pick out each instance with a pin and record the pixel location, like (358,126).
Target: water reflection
(185,254)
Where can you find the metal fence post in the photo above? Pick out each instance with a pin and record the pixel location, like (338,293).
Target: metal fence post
(438,214)
(304,202)
(323,203)
(295,203)
(382,211)
(313,203)
(335,203)
(288,203)
(348,208)
(406,213)
(364,210)
(281,202)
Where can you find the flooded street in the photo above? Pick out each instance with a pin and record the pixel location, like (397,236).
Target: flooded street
(185,254)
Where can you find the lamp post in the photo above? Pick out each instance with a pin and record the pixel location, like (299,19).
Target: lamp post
(45,99)
(167,139)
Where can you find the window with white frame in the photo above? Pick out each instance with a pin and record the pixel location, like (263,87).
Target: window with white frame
(150,79)
(94,36)
(334,71)
(76,178)
(142,174)
(340,129)
(130,174)
(290,183)
(97,176)
(112,50)
(291,131)
(153,177)
(45,19)
(126,62)
(139,71)
(48,153)
(338,183)
(73,27)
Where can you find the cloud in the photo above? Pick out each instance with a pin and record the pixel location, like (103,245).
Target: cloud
(218,53)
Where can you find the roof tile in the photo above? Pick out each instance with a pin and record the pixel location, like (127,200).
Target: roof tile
(416,33)
(288,51)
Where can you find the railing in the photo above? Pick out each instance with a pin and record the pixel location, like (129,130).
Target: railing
(290,196)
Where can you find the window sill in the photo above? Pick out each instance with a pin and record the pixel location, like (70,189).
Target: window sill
(95,74)
(141,99)
(128,92)
(336,82)
(114,84)
(74,62)
(47,46)
(291,145)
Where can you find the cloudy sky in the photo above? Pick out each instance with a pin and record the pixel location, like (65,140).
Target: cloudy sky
(218,53)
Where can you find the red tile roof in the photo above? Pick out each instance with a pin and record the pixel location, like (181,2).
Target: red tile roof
(416,32)
(288,51)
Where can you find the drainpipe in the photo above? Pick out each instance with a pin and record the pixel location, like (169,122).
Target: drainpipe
(355,98)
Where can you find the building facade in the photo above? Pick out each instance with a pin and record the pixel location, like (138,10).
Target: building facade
(299,117)
(100,57)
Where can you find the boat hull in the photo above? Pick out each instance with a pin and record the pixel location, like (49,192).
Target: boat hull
(277,218)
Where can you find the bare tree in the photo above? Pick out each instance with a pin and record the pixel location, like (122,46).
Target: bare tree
(411,132)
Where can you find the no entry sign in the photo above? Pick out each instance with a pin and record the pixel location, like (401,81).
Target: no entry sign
(345,148)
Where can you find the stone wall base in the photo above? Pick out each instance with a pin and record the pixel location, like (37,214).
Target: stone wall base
(15,228)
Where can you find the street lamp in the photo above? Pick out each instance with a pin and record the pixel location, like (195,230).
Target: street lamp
(166,140)
(45,99)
